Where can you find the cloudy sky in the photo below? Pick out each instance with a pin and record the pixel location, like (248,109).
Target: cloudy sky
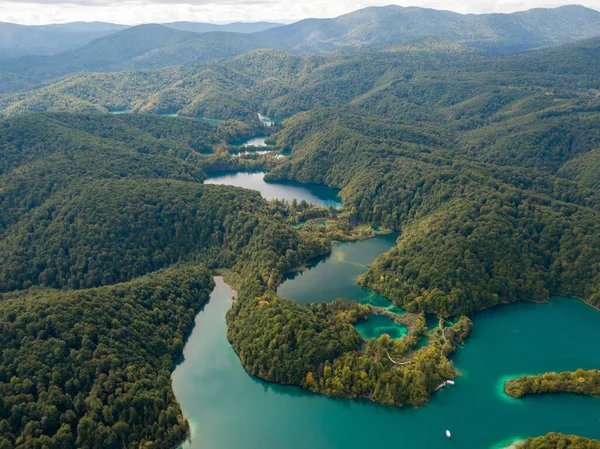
(222,11)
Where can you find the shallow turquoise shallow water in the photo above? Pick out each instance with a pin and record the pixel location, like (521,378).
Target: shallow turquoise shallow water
(230,410)
(377,325)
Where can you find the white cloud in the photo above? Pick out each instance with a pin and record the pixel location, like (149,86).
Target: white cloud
(221,11)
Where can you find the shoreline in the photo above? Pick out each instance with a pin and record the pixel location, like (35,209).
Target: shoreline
(181,359)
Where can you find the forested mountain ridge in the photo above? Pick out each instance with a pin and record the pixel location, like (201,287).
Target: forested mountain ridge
(449,173)
(20,40)
(234,27)
(441,130)
(153,46)
(387,25)
(143,46)
(439,82)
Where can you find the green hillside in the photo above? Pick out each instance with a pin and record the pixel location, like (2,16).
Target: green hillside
(90,368)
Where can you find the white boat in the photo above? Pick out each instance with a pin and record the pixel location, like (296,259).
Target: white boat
(450,382)
(448,434)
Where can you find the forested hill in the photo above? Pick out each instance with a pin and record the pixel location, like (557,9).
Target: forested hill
(144,46)
(41,154)
(99,200)
(427,80)
(452,160)
(91,368)
(21,40)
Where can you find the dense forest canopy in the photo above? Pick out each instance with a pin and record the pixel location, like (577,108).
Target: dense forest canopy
(416,78)
(486,163)
(91,368)
(122,198)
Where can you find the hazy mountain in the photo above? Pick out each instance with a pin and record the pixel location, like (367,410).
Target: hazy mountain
(105,51)
(21,40)
(139,47)
(236,27)
(374,26)
(17,40)
(155,46)
(127,44)
(390,25)
(85,26)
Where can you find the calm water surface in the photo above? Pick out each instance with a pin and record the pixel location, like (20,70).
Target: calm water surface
(230,410)
(379,324)
(287,190)
(255,142)
(334,276)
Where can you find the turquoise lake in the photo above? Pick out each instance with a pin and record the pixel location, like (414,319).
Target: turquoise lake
(336,274)
(253,143)
(228,409)
(285,190)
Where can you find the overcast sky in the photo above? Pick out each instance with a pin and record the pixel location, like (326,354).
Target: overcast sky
(224,11)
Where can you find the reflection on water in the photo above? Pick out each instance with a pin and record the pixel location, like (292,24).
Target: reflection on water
(286,190)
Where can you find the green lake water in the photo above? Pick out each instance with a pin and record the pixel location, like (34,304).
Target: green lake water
(210,121)
(287,190)
(334,276)
(255,142)
(246,152)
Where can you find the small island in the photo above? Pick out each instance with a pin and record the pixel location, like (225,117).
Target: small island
(585,382)
(556,440)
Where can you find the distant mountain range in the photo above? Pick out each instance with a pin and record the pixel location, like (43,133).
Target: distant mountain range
(20,40)
(185,43)
(395,24)
(236,27)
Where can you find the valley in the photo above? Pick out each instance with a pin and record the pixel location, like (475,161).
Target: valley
(267,235)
